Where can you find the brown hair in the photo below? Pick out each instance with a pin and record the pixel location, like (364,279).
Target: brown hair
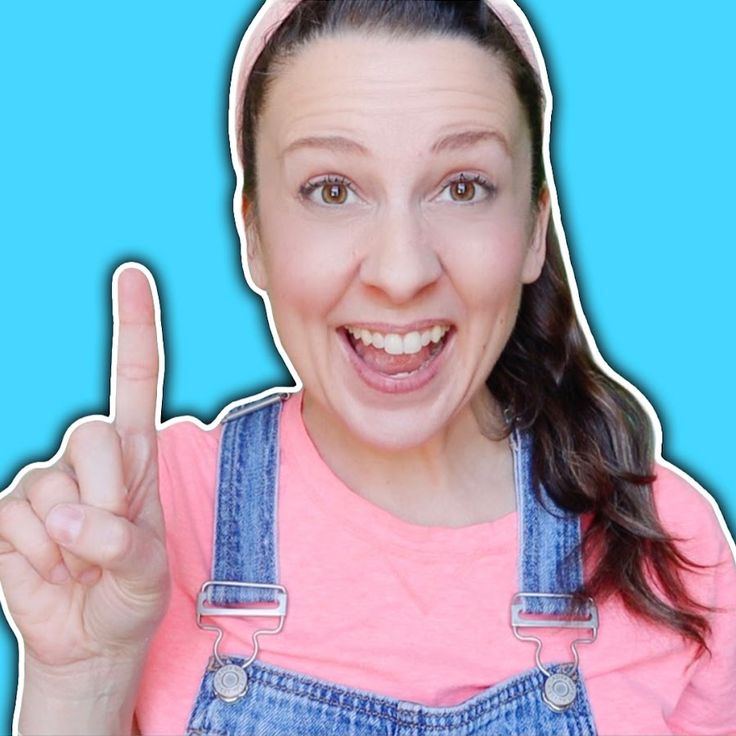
(593,442)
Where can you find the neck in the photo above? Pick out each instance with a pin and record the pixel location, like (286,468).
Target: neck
(460,476)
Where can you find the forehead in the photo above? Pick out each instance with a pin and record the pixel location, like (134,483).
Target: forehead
(377,86)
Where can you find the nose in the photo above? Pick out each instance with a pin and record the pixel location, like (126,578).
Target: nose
(400,259)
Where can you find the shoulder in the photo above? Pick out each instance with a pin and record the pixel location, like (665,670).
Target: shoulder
(691,515)
(188,450)
(187,457)
(186,447)
(186,437)
(185,444)
(692,518)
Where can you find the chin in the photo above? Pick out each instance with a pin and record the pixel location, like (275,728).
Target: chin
(393,429)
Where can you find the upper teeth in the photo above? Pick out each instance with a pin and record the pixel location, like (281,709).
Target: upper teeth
(395,344)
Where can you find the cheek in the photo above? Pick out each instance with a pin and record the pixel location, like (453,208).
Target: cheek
(300,300)
(486,267)
(307,271)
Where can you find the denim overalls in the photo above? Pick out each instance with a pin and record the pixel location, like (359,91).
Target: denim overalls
(241,695)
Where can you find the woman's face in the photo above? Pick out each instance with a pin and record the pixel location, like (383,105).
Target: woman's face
(395,228)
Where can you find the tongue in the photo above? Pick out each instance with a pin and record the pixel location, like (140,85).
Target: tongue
(380,360)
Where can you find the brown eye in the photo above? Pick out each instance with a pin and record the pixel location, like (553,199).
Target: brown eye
(334,193)
(472,190)
(462,191)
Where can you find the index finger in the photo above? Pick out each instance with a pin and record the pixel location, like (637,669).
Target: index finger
(136,355)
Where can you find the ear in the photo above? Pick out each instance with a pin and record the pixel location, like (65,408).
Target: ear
(538,241)
(254,252)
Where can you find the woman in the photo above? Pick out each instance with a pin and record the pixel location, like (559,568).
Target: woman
(445,376)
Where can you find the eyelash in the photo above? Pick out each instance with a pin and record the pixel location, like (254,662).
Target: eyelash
(306,189)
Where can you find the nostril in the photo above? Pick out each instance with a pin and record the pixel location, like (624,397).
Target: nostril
(400,266)
(400,288)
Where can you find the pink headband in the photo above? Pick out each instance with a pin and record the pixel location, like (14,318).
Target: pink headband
(274,12)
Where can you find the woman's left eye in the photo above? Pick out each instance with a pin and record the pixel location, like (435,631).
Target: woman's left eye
(464,189)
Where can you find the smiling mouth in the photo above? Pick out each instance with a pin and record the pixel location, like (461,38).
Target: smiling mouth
(397,356)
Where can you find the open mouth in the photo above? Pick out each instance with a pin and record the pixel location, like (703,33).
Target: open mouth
(398,356)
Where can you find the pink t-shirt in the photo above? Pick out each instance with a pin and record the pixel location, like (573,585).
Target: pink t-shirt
(422,613)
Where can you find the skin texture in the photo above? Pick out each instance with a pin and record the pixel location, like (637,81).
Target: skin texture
(400,247)
(82,540)
(82,546)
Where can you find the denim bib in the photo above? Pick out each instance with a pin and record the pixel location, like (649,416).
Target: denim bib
(241,695)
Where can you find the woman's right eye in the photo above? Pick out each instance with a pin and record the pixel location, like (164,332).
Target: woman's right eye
(334,190)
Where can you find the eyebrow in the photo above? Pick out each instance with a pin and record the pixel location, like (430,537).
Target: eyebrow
(452,141)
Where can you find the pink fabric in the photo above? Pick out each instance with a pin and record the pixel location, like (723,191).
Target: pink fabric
(369,593)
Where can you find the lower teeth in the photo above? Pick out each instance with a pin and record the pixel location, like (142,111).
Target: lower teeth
(436,348)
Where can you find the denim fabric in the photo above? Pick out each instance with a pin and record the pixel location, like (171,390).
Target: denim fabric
(549,537)
(245,515)
(283,703)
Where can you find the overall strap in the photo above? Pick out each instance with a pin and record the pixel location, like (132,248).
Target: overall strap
(245,544)
(550,559)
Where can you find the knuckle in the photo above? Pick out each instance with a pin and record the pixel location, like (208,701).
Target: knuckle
(49,484)
(30,477)
(12,511)
(136,371)
(47,481)
(26,481)
(90,434)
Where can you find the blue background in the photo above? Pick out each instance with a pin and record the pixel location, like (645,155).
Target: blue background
(113,141)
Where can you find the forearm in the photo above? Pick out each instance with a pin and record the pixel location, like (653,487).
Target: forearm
(93,699)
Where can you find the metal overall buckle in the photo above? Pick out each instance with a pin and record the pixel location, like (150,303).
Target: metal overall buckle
(231,680)
(560,689)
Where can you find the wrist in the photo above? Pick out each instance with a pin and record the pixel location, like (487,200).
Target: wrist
(91,697)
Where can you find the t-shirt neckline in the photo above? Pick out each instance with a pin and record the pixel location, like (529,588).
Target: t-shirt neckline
(372,522)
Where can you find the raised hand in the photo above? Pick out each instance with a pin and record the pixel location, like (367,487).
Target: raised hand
(82,547)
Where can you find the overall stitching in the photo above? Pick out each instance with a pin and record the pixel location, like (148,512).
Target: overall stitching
(509,691)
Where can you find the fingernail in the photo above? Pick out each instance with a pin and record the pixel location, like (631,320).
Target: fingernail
(64,523)
(59,574)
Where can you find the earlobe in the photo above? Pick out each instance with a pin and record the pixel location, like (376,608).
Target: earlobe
(538,242)
(254,250)
(255,260)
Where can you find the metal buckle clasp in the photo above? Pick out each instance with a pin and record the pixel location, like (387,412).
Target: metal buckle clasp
(588,621)
(560,689)
(205,608)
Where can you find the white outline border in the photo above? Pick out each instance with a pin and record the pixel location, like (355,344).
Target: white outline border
(264,12)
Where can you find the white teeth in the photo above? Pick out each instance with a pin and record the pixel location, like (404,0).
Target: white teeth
(395,344)
(412,343)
